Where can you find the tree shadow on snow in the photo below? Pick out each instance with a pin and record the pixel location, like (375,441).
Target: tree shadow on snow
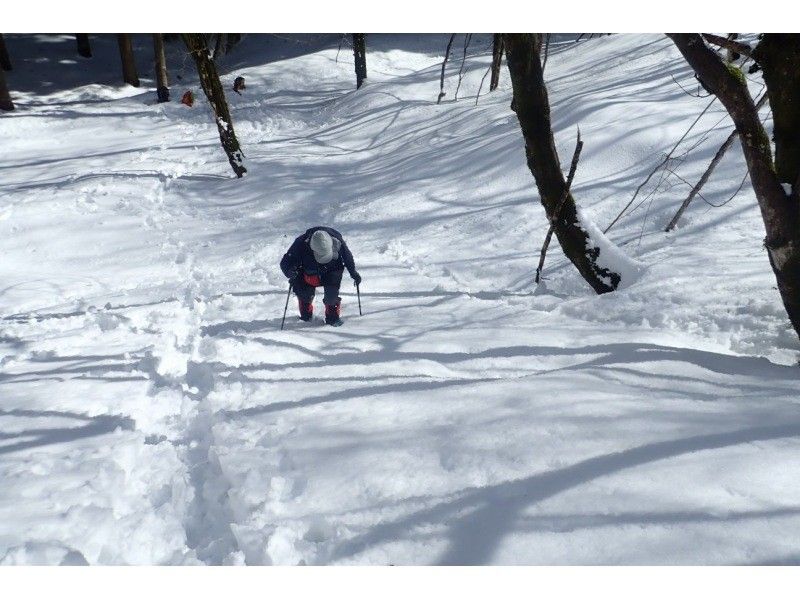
(478,519)
(39,437)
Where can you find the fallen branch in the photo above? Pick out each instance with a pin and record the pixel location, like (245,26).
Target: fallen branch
(556,215)
(707,174)
(444,63)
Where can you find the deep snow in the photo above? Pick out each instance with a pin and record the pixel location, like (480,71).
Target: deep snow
(152,412)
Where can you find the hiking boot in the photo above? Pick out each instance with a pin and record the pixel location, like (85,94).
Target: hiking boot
(306,310)
(332,313)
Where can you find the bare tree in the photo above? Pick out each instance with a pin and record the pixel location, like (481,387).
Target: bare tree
(220,38)
(5,61)
(129,74)
(5,97)
(497,60)
(162,84)
(212,87)
(360,54)
(442,92)
(776,182)
(467,40)
(84,49)
(532,107)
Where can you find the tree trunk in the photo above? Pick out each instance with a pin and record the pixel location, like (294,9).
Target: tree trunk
(212,87)
(360,53)
(128,63)
(84,49)
(778,54)
(162,84)
(497,60)
(217,53)
(5,97)
(442,92)
(5,61)
(780,210)
(533,111)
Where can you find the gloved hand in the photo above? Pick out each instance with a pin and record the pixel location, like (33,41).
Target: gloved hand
(357,278)
(294,275)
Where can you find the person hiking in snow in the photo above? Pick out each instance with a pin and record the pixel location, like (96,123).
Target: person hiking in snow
(317,258)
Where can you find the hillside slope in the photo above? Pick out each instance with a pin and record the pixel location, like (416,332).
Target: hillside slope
(152,412)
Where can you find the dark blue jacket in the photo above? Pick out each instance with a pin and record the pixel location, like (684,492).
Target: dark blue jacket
(301,257)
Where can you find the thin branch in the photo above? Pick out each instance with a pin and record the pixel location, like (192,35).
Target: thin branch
(444,64)
(572,168)
(217,47)
(467,39)
(707,174)
(735,193)
(659,166)
(489,70)
(687,92)
(728,44)
(546,50)
(339,49)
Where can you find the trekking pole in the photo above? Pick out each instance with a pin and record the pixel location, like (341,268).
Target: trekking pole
(358,292)
(287,304)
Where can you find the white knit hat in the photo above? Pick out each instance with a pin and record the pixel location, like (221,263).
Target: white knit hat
(322,246)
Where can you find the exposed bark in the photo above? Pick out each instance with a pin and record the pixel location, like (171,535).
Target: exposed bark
(360,55)
(5,61)
(129,74)
(533,111)
(572,168)
(497,60)
(5,97)
(212,87)
(162,83)
(780,210)
(442,92)
(82,41)
(707,174)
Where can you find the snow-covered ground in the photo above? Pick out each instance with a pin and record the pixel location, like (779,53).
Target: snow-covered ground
(152,412)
